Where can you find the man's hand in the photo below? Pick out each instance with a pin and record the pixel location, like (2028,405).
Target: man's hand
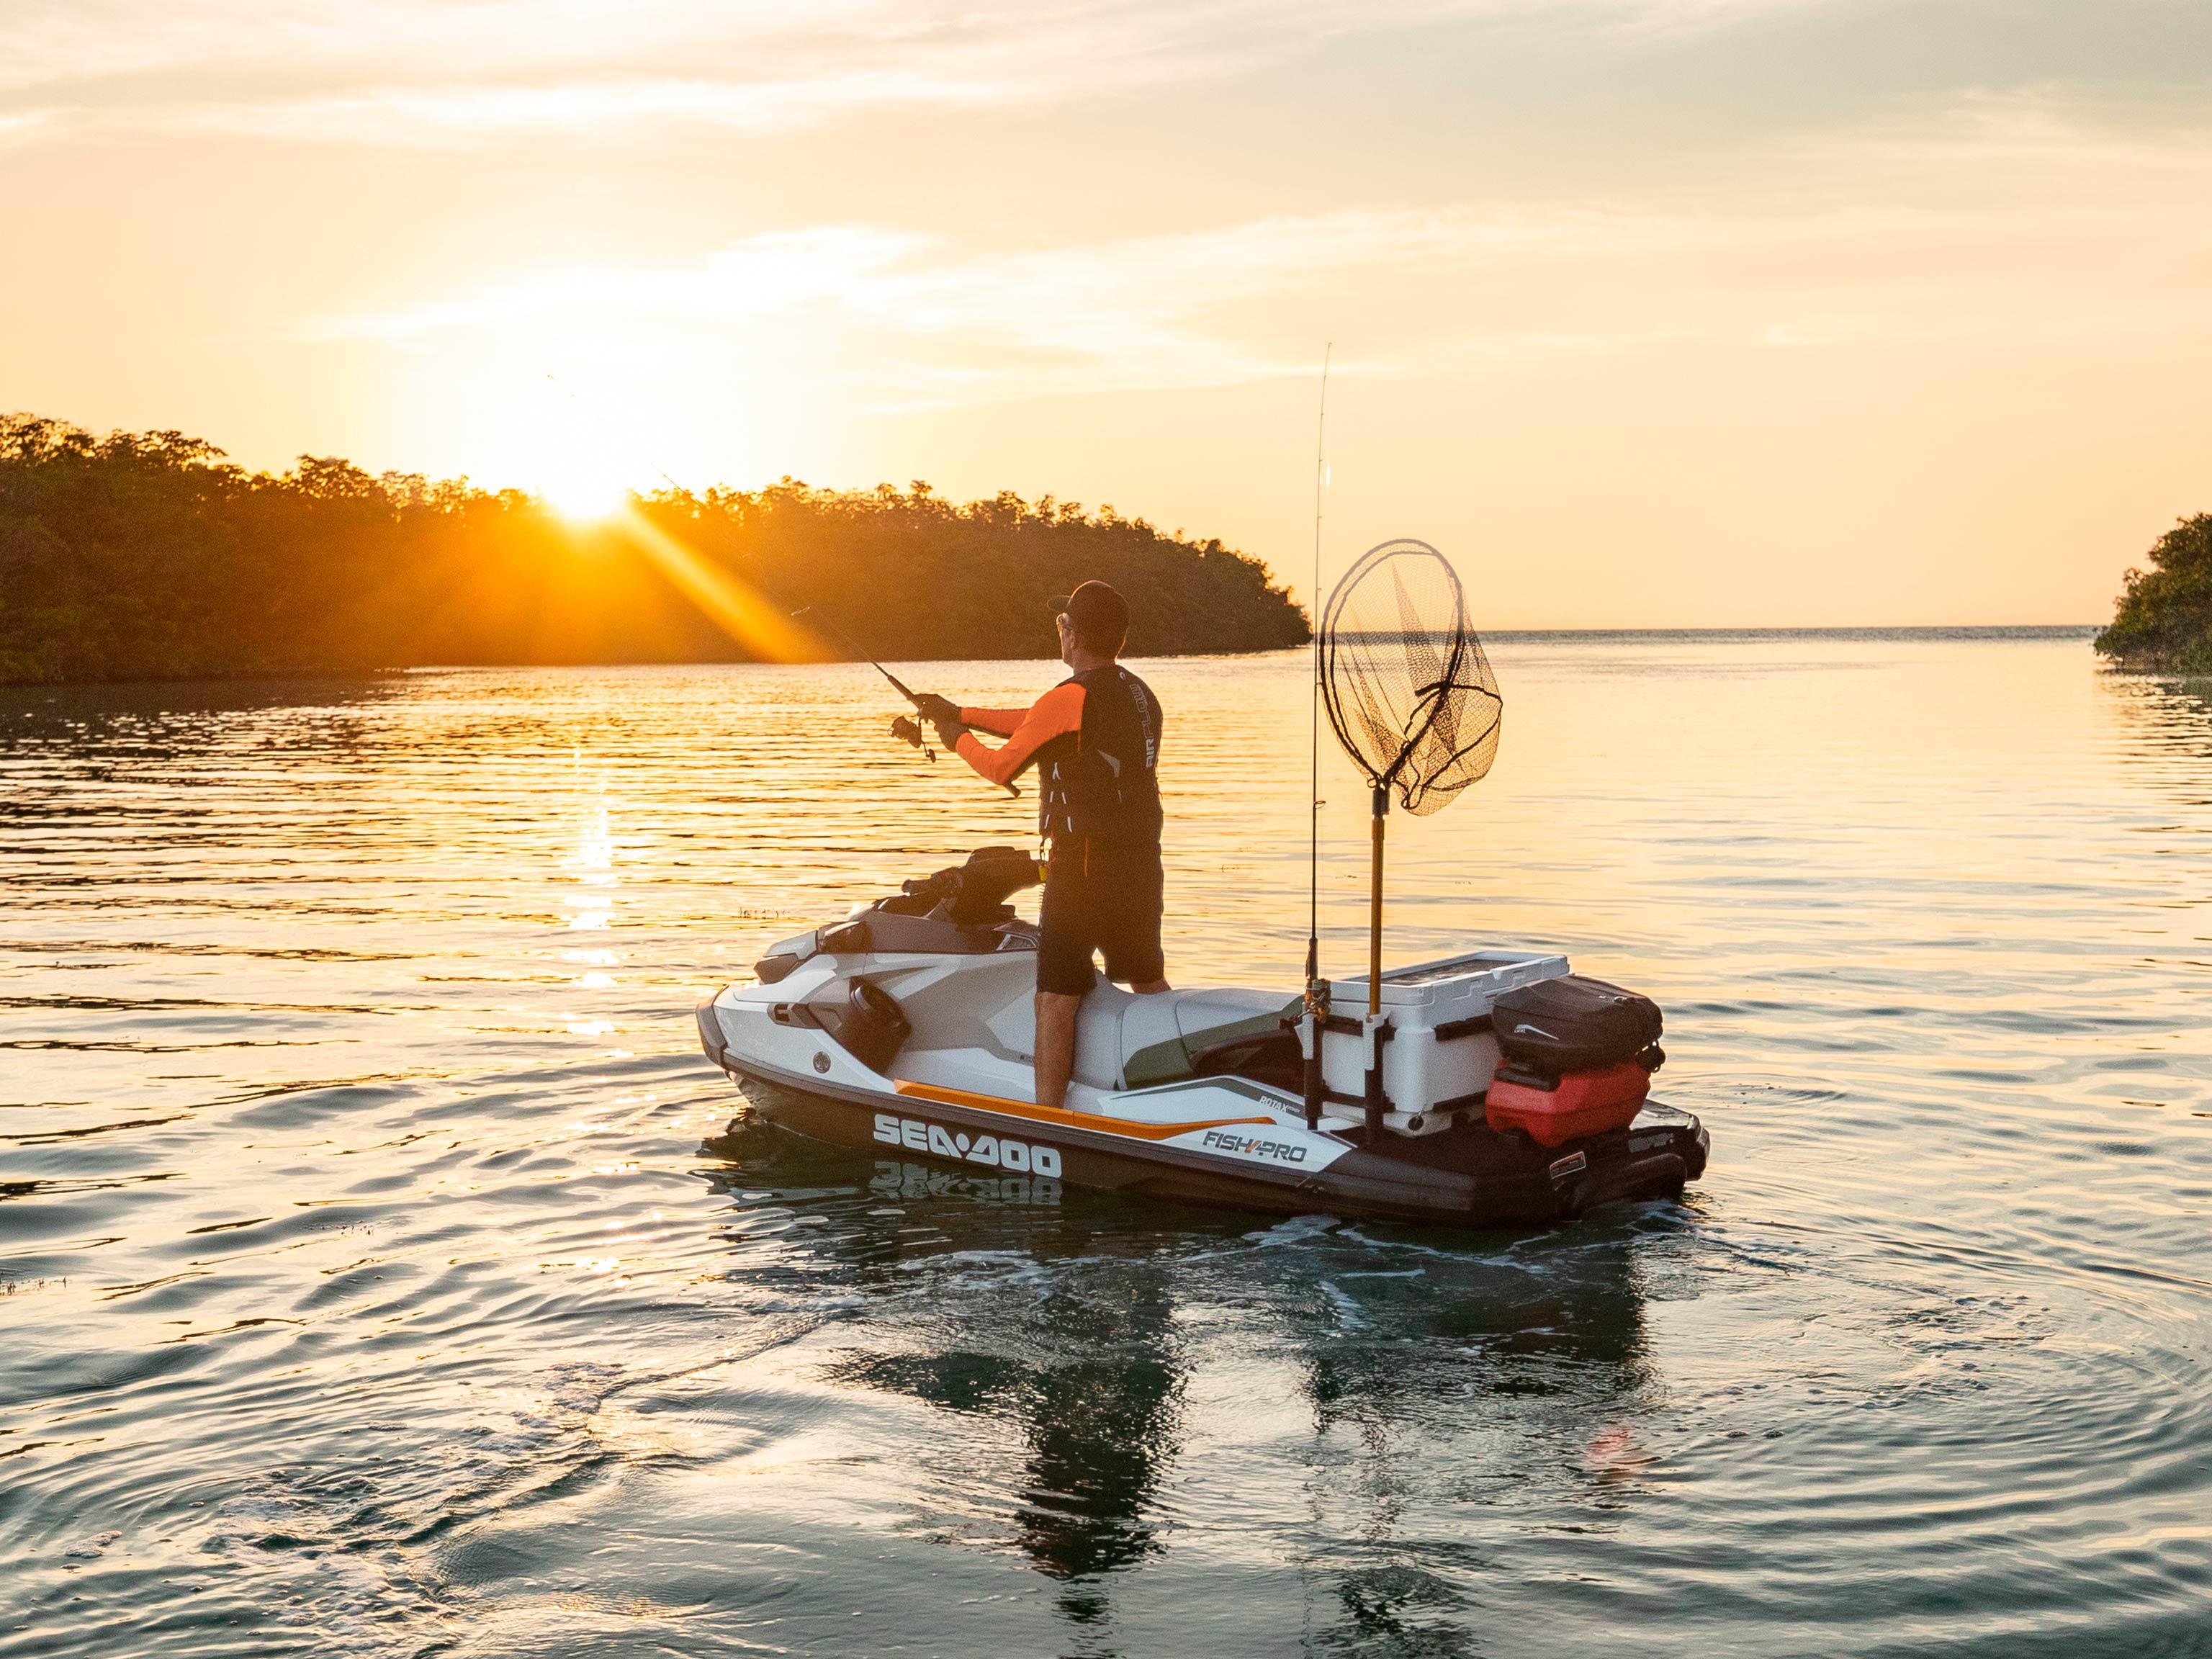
(935,709)
(949,733)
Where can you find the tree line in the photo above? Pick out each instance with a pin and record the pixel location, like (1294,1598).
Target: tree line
(148,554)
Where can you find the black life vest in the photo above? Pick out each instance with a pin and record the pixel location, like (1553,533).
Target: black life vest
(1104,786)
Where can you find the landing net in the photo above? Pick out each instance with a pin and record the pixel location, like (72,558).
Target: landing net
(1408,689)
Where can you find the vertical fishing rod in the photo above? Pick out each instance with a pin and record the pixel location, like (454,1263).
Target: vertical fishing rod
(1312,699)
(1314,1018)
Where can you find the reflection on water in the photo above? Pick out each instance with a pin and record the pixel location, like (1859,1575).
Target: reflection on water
(2167,725)
(1086,1373)
(1099,1415)
(1058,1338)
(380,1273)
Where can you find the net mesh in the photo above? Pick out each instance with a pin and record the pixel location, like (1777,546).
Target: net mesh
(1408,689)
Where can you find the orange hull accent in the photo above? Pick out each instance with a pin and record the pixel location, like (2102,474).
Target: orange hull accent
(1073,1120)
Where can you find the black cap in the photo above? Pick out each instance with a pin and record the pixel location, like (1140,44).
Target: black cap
(1097,612)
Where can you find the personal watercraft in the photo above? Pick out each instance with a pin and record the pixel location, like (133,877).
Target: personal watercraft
(1495,1088)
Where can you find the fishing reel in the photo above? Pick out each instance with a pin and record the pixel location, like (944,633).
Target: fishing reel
(907,730)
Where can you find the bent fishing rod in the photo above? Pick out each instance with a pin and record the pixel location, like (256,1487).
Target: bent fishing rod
(905,728)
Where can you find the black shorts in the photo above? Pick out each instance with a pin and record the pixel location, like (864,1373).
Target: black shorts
(1109,902)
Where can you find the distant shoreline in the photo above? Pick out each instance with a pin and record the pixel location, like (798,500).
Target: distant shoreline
(1953,631)
(1521,636)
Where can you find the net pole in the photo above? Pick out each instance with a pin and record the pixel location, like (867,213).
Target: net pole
(1375,905)
(1376,1028)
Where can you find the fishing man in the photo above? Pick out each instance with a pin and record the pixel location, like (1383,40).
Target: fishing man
(1095,738)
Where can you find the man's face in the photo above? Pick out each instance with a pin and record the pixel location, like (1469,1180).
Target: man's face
(1066,639)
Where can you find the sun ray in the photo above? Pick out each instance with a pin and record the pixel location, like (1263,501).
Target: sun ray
(764,629)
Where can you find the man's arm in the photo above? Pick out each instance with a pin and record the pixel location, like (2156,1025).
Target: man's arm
(999,722)
(943,711)
(1054,714)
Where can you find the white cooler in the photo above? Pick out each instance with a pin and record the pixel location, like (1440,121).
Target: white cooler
(1428,1059)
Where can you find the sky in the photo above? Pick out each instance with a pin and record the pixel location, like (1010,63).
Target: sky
(1648,312)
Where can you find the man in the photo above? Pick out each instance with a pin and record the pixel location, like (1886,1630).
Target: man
(1095,740)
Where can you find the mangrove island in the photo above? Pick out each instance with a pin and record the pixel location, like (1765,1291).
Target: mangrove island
(2164,623)
(149,556)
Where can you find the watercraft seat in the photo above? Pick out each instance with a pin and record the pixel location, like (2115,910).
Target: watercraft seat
(1128,1042)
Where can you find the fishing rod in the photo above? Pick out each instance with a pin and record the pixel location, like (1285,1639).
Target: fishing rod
(1313,802)
(845,640)
(905,728)
(1313,1020)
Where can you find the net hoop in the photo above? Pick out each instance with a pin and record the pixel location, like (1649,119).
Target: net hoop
(1414,705)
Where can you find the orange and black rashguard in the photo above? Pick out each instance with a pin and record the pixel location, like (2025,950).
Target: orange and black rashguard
(1095,740)
(1058,714)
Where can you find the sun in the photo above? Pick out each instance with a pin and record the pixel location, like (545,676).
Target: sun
(584,496)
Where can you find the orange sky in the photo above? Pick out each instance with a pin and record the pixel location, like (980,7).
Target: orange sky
(1650,312)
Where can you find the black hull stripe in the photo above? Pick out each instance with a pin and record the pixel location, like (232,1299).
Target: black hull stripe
(1359,1184)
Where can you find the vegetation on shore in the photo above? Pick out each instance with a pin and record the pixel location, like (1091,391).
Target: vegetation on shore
(2164,622)
(143,555)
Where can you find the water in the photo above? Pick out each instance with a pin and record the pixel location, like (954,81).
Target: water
(376,1276)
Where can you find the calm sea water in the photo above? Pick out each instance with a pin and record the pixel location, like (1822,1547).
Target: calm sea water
(377,1274)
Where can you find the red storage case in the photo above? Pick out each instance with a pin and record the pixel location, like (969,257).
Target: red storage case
(1584,1103)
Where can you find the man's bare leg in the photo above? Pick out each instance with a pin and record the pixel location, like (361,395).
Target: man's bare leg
(1056,1040)
(1056,1046)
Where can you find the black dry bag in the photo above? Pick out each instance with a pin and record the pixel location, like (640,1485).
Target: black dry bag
(1573,1024)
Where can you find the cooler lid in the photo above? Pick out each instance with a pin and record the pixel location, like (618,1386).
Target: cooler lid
(1450,988)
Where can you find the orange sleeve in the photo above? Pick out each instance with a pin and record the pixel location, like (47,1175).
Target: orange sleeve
(1054,714)
(999,722)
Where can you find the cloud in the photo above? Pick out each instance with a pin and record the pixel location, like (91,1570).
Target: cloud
(934,325)
(85,44)
(2002,222)
(383,72)
(1098,299)
(24,126)
(443,115)
(771,275)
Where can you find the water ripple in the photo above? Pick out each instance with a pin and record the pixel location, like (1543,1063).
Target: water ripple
(384,1273)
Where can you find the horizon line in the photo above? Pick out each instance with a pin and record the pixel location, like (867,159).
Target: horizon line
(1808,627)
